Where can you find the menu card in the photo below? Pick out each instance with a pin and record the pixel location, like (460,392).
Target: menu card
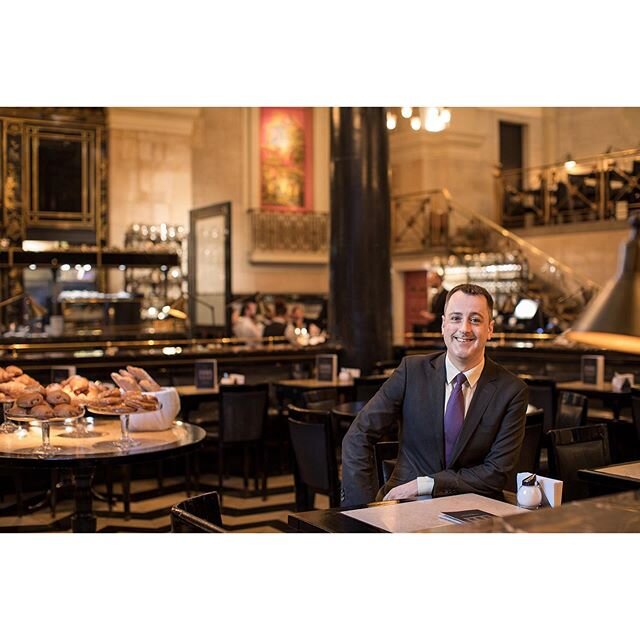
(327,368)
(206,374)
(58,374)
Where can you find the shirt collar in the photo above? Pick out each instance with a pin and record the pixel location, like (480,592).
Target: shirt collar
(472,375)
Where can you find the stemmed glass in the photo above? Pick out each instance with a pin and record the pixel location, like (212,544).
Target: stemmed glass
(45,449)
(7,426)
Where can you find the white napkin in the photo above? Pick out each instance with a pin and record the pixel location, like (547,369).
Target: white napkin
(157,420)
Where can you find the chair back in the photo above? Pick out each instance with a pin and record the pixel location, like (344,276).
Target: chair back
(385,455)
(243,412)
(529,458)
(578,448)
(316,464)
(200,514)
(319,399)
(572,410)
(367,386)
(543,394)
(635,408)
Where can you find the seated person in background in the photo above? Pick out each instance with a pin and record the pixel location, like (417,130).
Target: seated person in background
(296,323)
(437,297)
(278,321)
(462,415)
(246,326)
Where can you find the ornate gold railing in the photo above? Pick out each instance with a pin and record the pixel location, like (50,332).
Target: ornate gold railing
(294,236)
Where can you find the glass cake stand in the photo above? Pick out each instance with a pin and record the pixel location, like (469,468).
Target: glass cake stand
(126,442)
(46,449)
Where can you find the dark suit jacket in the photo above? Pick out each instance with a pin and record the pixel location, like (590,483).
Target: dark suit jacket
(485,452)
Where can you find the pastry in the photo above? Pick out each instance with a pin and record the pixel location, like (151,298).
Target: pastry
(14,371)
(146,382)
(127,383)
(42,411)
(57,397)
(65,411)
(28,400)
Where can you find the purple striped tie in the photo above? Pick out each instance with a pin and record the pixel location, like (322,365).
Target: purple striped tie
(453,416)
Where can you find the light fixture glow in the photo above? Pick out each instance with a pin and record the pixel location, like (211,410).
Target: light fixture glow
(415,123)
(406,112)
(392,120)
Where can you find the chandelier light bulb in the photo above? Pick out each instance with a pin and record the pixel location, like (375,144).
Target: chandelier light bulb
(415,123)
(392,120)
(406,112)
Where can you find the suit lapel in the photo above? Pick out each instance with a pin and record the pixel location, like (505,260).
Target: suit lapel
(435,400)
(481,398)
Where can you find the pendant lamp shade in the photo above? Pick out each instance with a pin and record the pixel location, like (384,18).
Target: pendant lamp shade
(612,319)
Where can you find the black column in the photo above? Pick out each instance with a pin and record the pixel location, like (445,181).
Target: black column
(360,278)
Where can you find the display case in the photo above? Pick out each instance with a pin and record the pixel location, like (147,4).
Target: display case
(157,288)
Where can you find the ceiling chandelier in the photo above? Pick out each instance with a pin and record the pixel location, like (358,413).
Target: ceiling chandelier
(432,119)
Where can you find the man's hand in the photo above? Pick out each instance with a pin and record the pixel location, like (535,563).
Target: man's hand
(407,490)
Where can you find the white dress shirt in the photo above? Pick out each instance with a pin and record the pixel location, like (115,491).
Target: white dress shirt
(425,483)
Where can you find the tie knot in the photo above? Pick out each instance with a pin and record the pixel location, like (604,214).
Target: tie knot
(459,380)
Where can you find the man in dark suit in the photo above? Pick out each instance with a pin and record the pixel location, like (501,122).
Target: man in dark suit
(462,415)
(437,298)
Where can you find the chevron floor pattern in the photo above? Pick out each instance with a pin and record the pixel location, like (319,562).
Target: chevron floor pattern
(150,508)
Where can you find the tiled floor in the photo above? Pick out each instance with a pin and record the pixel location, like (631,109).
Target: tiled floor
(150,508)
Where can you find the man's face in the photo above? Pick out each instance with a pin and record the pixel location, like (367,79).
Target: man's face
(252,309)
(466,327)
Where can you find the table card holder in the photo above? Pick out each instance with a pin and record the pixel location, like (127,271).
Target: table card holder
(327,368)
(551,489)
(206,374)
(592,370)
(58,374)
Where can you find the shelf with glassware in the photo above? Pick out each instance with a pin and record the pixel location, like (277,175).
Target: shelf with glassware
(60,281)
(158,289)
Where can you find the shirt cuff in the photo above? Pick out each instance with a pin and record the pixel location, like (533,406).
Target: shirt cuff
(425,485)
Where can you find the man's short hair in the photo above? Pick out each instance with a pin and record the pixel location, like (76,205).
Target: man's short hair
(472,290)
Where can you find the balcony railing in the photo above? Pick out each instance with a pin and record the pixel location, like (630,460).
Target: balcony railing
(603,187)
(289,236)
(470,247)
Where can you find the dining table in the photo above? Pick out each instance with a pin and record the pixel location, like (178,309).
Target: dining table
(99,446)
(616,400)
(399,516)
(617,477)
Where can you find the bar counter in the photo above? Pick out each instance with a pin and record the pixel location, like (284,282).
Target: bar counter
(533,354)
(94,356)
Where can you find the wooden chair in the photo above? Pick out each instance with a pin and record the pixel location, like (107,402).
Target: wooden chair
(529,458)
(243,415)
(572,410)
(316,462)
(367,386)
(200,514)
(385,454)
(543,394)
(578,448)
(319,399)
